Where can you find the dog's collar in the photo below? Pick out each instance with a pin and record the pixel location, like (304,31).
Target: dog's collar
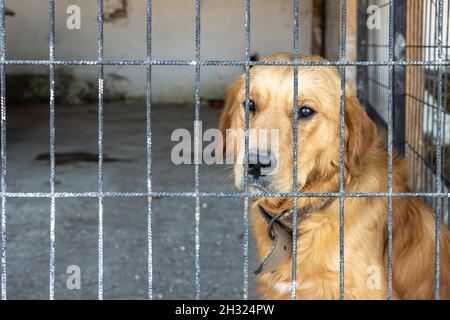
(279,228)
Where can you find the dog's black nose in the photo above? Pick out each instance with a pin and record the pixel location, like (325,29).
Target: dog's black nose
(259,164)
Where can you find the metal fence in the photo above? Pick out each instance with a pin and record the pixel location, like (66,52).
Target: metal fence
(423,93)
(390,62)
(421,33)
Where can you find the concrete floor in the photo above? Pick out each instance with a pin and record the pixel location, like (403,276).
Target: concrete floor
(125,219)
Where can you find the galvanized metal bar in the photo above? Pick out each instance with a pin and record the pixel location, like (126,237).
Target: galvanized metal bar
(343,54)
(446,128)
(3,178)
(246,146)
(100,149)
(149,152)
(425,181)
(414,167)
(52,152)
(390,147)
(295,155)
(300,63)
(197,140)
(398,50)
(362,73)
(428,183)
(221,194)
(438,152)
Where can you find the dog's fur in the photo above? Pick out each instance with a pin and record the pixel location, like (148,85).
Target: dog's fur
(366,170)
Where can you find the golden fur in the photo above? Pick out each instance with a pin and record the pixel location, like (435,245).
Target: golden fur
(366,170)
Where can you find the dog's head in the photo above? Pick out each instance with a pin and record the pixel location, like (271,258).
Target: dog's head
(271,121)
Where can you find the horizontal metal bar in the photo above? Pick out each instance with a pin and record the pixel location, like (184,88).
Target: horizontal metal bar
(218,194)
(374,45)
(371,63)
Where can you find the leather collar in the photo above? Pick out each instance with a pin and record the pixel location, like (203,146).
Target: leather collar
(279,229)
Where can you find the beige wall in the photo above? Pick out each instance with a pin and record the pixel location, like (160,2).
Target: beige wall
(333,34)
(173,38)
(332,27)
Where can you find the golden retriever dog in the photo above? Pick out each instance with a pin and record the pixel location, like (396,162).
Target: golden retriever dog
(318,159)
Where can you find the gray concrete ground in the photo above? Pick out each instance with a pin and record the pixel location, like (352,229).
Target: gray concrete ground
(125,219)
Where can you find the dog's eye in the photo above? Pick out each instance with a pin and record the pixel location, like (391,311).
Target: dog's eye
(251,106)
(306,112)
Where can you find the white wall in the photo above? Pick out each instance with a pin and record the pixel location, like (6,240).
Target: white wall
(222,37)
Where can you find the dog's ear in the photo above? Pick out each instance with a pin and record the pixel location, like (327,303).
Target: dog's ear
(361,133)
(227,113)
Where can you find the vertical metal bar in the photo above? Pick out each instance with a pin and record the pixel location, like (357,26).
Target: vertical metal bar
(447,101)
(100,149)
(419,113)
(246,143)
(438,152)
(390,146)
(445,153)
(343,54)
(362,52)
(52,151)
(399,76)
(415,90)
(295,160)
(428,45)
(149,151)
(431,107)
(3,181)
(196,148)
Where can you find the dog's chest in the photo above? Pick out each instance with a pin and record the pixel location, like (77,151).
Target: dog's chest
(317,260)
